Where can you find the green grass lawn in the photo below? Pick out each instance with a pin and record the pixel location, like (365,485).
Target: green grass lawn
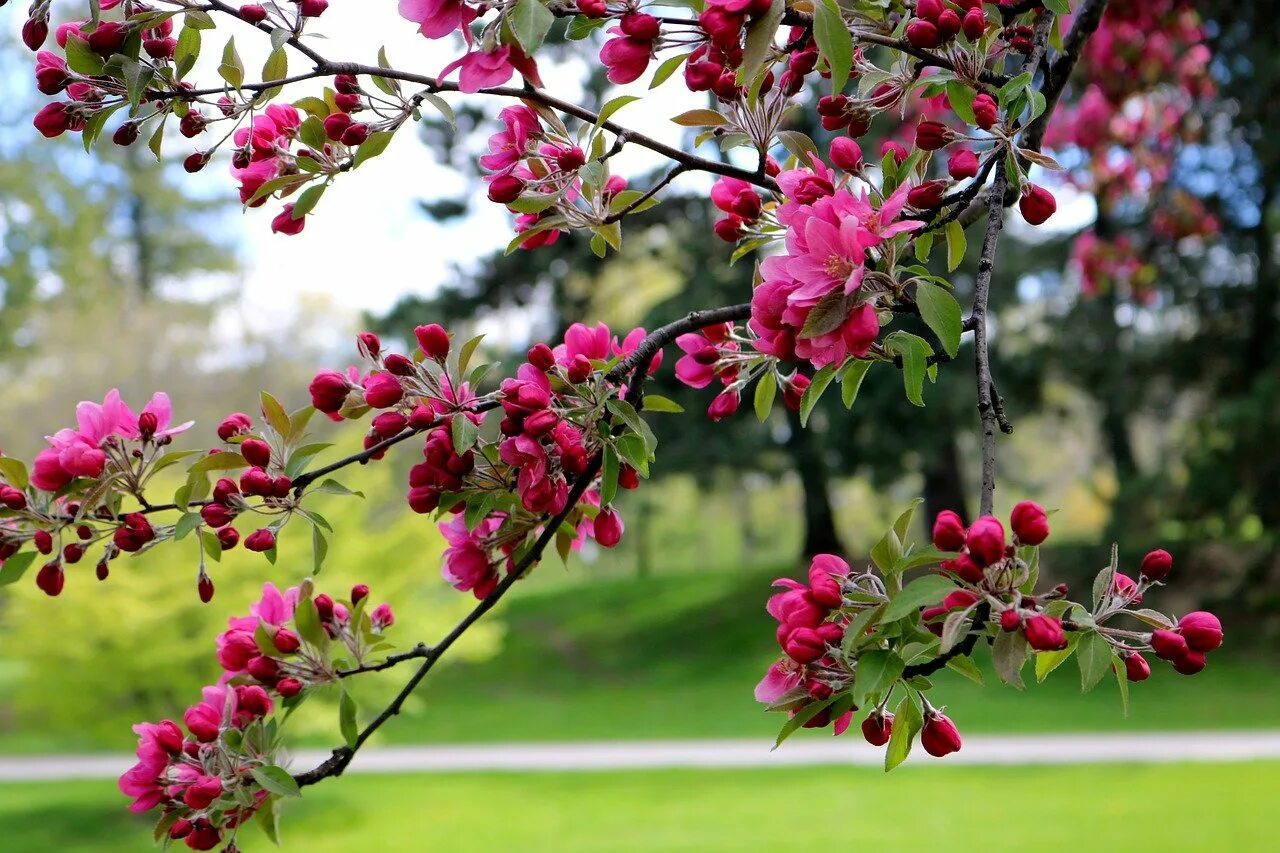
(931,806)
(677,656)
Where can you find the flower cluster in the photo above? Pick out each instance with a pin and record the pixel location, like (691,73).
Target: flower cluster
(854,640)
(220,771)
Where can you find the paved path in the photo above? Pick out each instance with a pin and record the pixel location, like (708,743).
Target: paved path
(1164,747)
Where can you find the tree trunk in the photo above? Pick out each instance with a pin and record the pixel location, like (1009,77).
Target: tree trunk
(1266,293)
(944,482)
(820,536)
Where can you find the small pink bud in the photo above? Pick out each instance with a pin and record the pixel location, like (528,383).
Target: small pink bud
(846,154)
(1189,663)
(1044,633)
(1030,523)
(288,687)
(433,340)
(205,589)
(725,405)
(286,641)
(923,34)
(963,164)
(228,538)
(939,736)
(1010,620)
(253,13)
(986,540)
(608,527)
(878,728)
(382,390)
(1201,630)
(369,344)
(236,423)
(986,111)
(1156,565)
(948,531)
(932,135)
(359,593)
(1037,204)
(51,578)
(541,357)
(1168,645)
(1136,667)
(260,540)
(256,452)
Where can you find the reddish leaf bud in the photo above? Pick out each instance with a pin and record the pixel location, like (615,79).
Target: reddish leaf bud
(433,340)
(1030,523)
(608,527)
(1037,204)
(986,540)
(986,111)
(1168,645)
(1156,565)
(256,452)
(948,531)
(878,728)
(939,736)
(1136,667)
(260,540)
(1201,630)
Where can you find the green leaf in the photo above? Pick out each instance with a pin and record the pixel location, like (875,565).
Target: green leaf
(966,667)
(319,548)
(580,27)
(907,722)
(915,352)
(1047,662)
(1062,7)
(224,460)
(886,552)
(268,819)
(659,403)
(442,106)
(766,390)
(372,147)
(759,41)
(1008,653)
(307,200)
(817,386)
(276,67)
(14,472)
(922,591)
(957,245)
(834,41)
(333,487)
(851,380)
(307,620)
(611,107)
(877,670)
(15,567)
(804,715)
(232,67)
(188,522)
(275,414)
(464,433)
(312,132)
(347,718)
(941,313)
(1094,656)
(902,524)
(1117,663)
(466,351)
(609,476)
(666,69)
(212,547)
(631,447)
(529,21)
(700,118)
(276,780)
(81,58)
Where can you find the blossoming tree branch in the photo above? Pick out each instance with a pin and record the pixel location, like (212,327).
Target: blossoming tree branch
(845,245)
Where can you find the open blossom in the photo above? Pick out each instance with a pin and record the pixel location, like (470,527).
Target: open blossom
(509,146)
(468,564)
(479,69)
(439,18)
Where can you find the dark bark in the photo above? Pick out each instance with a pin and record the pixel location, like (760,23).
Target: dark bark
(944,481)
(820,536)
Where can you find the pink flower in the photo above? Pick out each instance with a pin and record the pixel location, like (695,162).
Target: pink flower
(508,147)
(467,565)
(439,17)
(783,677)
(594,343)
(479,70)
(697,367)
(625,57)
(382,617)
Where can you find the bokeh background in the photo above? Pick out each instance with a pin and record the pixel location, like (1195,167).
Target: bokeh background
(1147,421)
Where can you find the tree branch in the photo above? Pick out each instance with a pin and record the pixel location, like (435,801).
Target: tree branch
(982,363)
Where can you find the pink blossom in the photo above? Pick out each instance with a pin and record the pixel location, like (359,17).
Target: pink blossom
(783,677)
(439,18)
(479,70)
(697,367)
(507,147)
(467,563)
(625,57)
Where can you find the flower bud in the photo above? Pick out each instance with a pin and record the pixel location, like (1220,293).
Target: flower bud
(126,134)
(236,423)
(312,8)
(963,164)
(286,641)
(34,32)
(878,728)
(948,531)
(280,486)
(382,618)
(929,9)
(260,540)
(1168,645)
(389,424)
(729,229)
(1037,204)
(51,578)
(1156,565)
(253,13)
(846,154)
(335,125)
(1201,630)
(204,587)
(202,792)
(926,196)
(43,540)
(356,134)
(804,645)
(640,26)
(724,405)
(255,481)
(932,135)
(1190,663)
(504,189)
(228,538)
(256,452)
(965,567)
(382,390)
(1010,620)
(939,736)
(433,340)
(974,24)
(608,527)
(1126,588)
(359,593)
(986,540)
(397,364)
(1136,667)
(289,687)
(216,515)
(263,668)
(346,84)
(580,369)
(986,111)
(348,103)
(948,24)
(923,34)
(1044,633)
(541,357)
(1030,523)
(324,607)
(422,417)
